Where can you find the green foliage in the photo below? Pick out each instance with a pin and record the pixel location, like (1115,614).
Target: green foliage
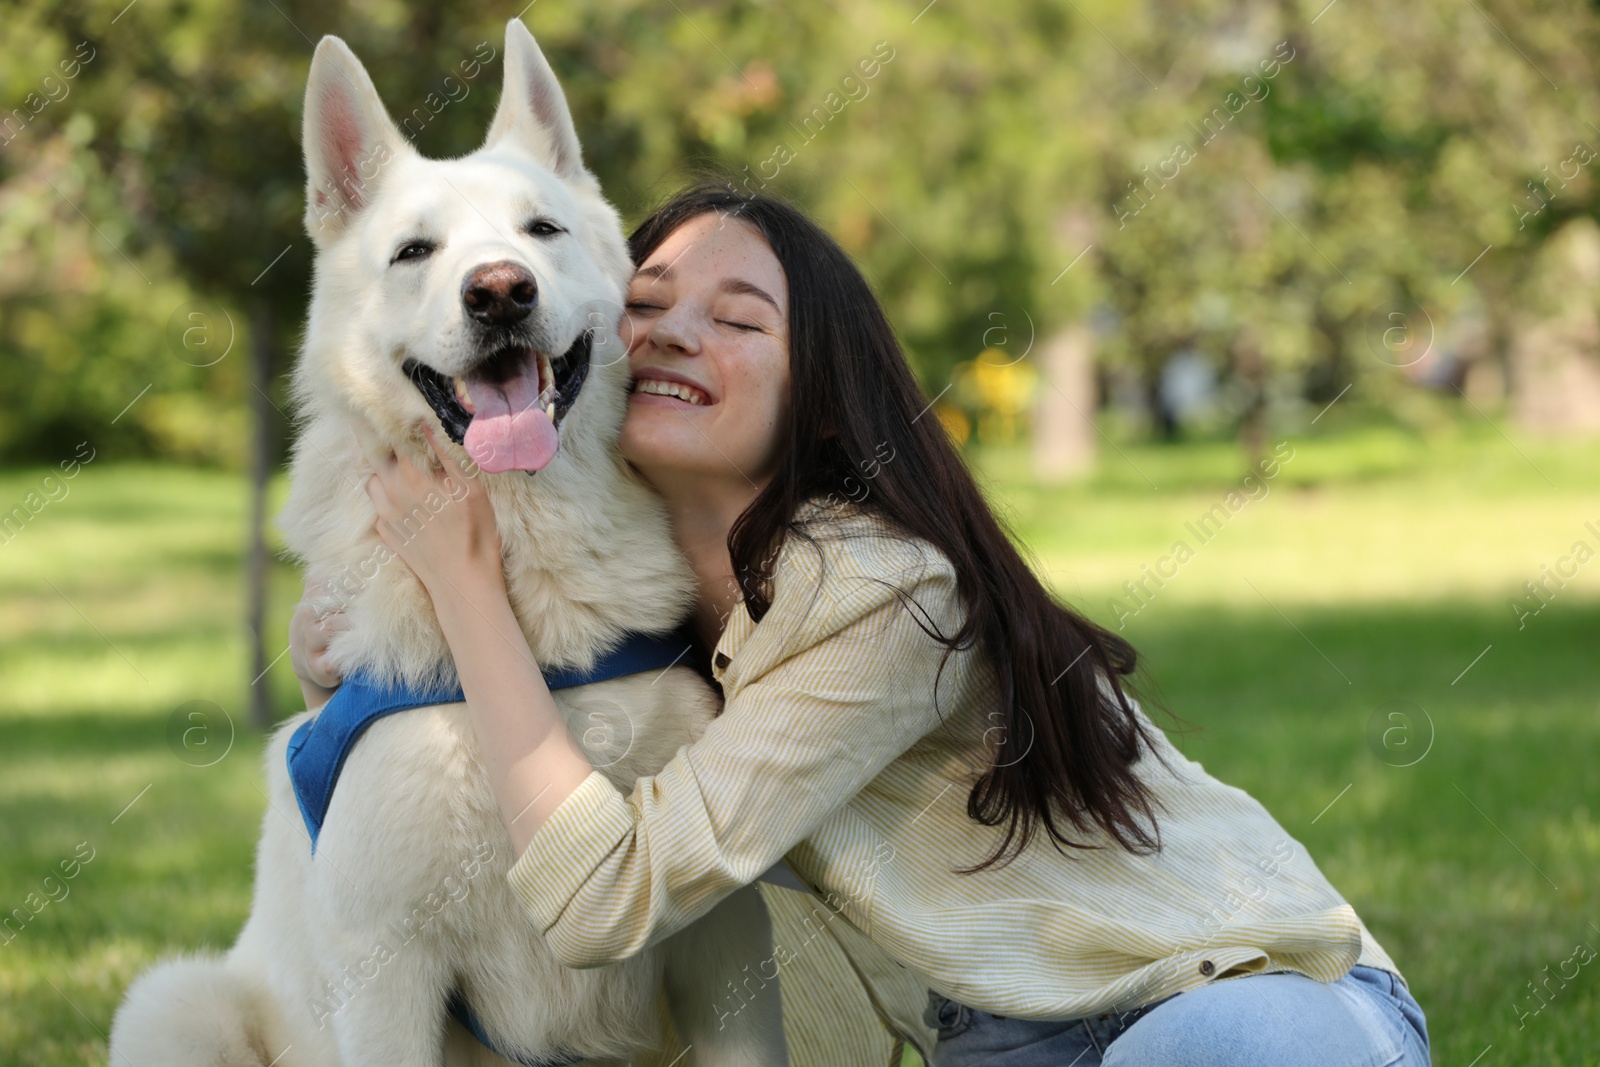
(1335,160)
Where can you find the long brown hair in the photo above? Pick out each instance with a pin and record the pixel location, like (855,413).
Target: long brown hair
(1067,749)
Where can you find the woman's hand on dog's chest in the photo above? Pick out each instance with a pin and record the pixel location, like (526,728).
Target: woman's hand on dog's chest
(311,628)
(438,521)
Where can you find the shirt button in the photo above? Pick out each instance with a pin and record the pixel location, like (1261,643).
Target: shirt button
(721,661)
(1207,968)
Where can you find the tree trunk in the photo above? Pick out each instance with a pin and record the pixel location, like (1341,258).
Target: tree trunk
(1555,353)
(1251,370)
(1063,425)
(262,454)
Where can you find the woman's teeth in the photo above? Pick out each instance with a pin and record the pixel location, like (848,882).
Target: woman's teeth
(675,389)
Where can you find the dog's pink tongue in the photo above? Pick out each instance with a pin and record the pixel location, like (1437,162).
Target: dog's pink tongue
(509,431)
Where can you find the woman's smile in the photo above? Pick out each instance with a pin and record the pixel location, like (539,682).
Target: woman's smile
(657,385)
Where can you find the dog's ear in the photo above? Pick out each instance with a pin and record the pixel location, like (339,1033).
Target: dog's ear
(349,139)
(533,114)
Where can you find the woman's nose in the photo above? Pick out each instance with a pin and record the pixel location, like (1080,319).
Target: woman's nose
(675,328)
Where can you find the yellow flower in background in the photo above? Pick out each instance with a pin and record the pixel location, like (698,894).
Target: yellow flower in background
(998,391)
(954,422)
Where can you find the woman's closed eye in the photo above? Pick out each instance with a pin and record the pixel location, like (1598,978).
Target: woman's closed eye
(644,307)
(740,313)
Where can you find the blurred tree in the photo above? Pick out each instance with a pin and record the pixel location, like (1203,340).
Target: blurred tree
(1285,187)
(1258,181)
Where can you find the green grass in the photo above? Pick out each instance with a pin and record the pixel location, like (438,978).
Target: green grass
(1376,569)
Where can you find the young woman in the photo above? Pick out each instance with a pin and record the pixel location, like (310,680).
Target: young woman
(911,720)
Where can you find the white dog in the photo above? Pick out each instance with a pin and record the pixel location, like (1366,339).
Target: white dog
(483,291)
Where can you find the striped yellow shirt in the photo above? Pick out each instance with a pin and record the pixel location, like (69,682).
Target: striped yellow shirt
(831,753)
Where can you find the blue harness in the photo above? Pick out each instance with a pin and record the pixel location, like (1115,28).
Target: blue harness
(320,745)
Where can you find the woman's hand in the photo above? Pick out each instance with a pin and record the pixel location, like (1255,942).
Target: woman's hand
(439,522)
(315,620)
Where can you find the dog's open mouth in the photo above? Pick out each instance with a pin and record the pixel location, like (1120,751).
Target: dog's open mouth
(506,411)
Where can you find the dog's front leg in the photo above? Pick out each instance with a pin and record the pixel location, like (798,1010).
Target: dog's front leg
(392,1010)
(722,985)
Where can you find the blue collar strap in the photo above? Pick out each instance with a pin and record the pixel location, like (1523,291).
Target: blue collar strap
(318,748)
(320,745)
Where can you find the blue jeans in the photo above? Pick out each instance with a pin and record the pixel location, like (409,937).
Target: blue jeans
(1365,1019)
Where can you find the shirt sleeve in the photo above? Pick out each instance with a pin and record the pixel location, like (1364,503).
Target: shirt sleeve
(837,681)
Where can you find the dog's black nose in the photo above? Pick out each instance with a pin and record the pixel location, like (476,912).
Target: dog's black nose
(499,294)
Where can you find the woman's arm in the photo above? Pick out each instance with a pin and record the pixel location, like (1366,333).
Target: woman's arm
(532,761)
(822,696)
(836,682)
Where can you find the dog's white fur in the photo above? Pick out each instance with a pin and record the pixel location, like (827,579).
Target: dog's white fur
(326,971)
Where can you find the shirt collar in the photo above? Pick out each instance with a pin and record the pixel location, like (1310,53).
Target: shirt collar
(740,625)
(734,635)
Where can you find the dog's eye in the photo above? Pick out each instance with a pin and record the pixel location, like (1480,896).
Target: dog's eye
(414,250)
(543,228)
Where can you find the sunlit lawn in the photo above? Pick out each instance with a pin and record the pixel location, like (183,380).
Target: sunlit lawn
(1377,569)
